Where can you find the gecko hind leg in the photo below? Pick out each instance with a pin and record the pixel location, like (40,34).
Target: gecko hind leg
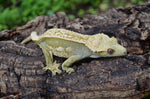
(52,66)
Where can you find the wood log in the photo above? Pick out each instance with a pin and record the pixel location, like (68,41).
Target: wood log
(22,76)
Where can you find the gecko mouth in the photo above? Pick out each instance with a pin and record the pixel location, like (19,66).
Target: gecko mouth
(125,52)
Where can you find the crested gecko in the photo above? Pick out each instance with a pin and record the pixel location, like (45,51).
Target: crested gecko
(74,46)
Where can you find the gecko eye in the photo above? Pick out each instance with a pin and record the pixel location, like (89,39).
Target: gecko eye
(110,51)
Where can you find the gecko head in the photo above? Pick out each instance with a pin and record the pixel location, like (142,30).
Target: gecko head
(112,48)
(109,47)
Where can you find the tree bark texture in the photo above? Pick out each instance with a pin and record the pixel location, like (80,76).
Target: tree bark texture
(22,76)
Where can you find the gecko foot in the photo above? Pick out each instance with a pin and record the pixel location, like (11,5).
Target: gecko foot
(68,70)
(54,69)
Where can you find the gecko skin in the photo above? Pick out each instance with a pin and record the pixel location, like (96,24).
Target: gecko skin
(75,47)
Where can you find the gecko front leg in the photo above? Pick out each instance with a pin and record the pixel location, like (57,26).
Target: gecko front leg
(70,61)
(52,66)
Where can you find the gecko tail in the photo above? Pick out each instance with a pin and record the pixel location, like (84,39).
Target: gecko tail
(26,40)
(33,37)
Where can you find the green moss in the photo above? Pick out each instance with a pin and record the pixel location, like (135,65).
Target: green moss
(14,13)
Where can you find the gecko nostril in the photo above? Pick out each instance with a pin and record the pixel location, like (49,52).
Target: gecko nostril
(125,53)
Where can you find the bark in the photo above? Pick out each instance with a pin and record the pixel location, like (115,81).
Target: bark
(22,76)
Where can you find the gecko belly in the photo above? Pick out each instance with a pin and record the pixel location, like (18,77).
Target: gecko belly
(65,48)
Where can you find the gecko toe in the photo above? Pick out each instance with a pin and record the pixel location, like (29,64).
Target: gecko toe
(54,69)
(70,70)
